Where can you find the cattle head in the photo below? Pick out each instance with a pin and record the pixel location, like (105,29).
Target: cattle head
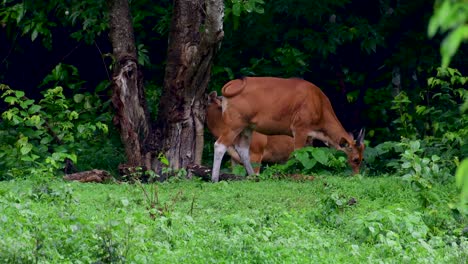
(354,150)
(214,105)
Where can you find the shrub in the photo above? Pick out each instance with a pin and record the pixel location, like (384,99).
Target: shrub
(44,137)
(308,160)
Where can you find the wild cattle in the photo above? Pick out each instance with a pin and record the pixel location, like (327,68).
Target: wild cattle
(275,148)
(277,106)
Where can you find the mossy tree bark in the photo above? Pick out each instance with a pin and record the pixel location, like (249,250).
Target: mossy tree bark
(195,35)
(128,97)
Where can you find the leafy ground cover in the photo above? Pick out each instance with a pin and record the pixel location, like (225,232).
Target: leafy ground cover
(331,219)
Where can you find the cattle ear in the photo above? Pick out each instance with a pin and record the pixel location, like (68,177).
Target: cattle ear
(212,96)
(343,143)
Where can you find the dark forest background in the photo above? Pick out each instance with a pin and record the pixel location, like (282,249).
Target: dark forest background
(373,59)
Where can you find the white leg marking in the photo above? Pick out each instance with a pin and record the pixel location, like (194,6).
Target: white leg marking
(242,147)
(219,150)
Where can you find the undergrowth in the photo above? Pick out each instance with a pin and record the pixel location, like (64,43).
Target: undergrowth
(329,219)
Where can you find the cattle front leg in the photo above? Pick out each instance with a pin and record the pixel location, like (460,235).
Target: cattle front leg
(300,140)
(242,147)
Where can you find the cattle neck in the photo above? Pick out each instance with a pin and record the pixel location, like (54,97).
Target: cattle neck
(335,132)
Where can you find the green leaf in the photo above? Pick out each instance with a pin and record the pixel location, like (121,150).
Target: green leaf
(23,113)
(26,103)
(31,157)
(414,145)
(420,109)
(259,10)
(303,157)
(320,155)
(125,202)
(34,35)
(34,120)
(22,141)
(81,128)
(34,109)
(163,159)
(430,81)
(78,98)
(20,11)
(417,167)
(73,115)
(236,9)
(8,115)
(87,104)
(249,6)
(433,26)
(10,100)
(102,86)
(461,176)
(73,158)
(443,13)
(229,72)
(102,127)
(19,94)
(16,120)
(25,149)
(46,140)
(339,202)
(451,43)
(406,165)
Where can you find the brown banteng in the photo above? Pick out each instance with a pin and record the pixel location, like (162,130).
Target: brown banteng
(275,149)
(276,106)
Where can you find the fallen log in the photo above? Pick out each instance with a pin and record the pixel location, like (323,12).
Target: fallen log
(95,175)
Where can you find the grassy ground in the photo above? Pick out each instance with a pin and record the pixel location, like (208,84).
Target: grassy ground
(332,219)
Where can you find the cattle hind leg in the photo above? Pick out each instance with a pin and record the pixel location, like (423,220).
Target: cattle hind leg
(219,150)
(242,147)
(256,161)
(220,147)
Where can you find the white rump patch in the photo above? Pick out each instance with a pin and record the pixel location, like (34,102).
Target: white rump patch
(224,104)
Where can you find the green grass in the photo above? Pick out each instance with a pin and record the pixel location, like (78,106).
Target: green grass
(277,221)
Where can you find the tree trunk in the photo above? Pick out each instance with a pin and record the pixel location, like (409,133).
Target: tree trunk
(128,98)
(195,34)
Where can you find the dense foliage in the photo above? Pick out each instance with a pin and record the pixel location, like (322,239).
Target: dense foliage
(378,62)
(374,61)
(40,137)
